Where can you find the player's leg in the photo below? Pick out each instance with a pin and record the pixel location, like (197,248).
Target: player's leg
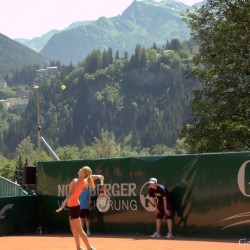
(75,232)
(87,221)
(83,222)
(159,217)
(81,233)
(82,218)
(169,219)
(74,213)
(87,226)
(158,225)
(170,226)
(158,220)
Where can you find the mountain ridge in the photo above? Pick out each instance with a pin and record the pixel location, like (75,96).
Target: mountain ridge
(37,43)
(142,22)
(14,55)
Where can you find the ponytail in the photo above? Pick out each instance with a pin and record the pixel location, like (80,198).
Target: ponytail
(90,180)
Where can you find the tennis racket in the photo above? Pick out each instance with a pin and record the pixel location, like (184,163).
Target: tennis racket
(103,200)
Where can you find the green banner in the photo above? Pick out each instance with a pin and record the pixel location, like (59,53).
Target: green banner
(211,193)
(19,215)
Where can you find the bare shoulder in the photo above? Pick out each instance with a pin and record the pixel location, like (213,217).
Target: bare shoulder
(74,181)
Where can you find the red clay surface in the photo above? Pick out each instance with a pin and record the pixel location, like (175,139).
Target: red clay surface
(100,242)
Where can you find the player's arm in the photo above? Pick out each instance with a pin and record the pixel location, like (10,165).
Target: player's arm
(165,203)
(69,195)
(95,177)
(154,201)
(99,176)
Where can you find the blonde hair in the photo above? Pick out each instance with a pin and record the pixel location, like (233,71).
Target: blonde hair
(88,171)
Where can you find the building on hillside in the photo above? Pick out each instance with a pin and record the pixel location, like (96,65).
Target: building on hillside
(47,71)
(3,84)
(3,102)
(18,104)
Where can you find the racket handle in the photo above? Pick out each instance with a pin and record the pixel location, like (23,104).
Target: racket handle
(102,182)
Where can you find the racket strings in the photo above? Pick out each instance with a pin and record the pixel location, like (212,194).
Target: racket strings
(103,202)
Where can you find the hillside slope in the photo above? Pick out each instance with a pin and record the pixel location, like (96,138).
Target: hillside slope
(14,55)
(143,22)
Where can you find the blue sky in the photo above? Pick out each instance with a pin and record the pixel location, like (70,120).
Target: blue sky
(32,18)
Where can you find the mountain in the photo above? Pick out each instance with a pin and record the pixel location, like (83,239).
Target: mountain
(37,43)
(14,55)
(145,22)
(199,4)
(77,24)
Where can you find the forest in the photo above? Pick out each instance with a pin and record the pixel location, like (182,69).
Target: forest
(143,98)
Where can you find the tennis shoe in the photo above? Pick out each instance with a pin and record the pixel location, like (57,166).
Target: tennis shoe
(169,236)
(155,235)
(92,248)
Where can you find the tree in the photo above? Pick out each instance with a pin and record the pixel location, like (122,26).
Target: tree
(68,153)
(26,151)
(93,61)
(18,174)
(161,150)
(106,146)
(7,167)
(175,45)
(125,55)
(221,106)
(117,55)
(1,141)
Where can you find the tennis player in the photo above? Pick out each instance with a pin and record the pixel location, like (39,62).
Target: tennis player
(85,203)
(163,202)
(77,185)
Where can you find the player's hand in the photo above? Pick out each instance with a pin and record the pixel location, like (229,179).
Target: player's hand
(59,210)
(157,211)
(167,212)
(101,177)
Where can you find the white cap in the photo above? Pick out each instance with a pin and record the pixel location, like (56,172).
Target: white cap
(153,180)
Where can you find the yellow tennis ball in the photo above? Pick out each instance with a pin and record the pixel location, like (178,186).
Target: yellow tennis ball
(63,87)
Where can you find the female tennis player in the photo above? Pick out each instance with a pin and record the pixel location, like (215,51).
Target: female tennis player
(77,185)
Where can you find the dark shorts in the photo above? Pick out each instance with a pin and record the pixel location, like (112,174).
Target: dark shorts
(84,213)
(162,213)
(74,212)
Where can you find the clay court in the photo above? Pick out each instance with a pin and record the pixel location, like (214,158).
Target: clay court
(101,242)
